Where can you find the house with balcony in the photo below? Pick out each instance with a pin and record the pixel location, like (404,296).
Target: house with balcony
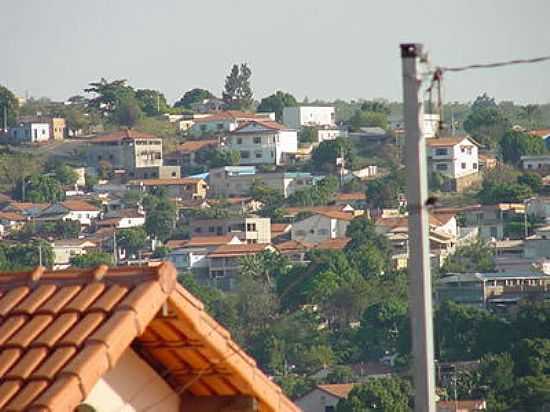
(485,290)
(456,159)
(263,142)
(191,254)
(222,123)
(126,149)
(224,262)
(248,229)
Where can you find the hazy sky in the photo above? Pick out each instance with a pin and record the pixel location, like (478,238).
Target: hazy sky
(317,48)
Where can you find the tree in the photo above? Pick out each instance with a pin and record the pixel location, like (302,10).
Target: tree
(515,144)
(16,167)
(132,239)
(238,93)
(376,106)
(276,103)
(504,193)
(384,394)
(64,174)
(485,122)
(151,102)
(369,119)
(26,256)
(128,112)
(223,157)
(533,180)
(9,101)
(383,328)
(264,266)
(160,220)
(340,374)
(324,156)
(59,229)
(307,134)
(39,189)
(108,95)
(384,192)
(474,257)
(92,259)
(192,96)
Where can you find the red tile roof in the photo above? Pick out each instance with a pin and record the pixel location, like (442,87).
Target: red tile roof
(293,245)
(239,250)
(228,115)
(196,145)
(200,241)
(448,141)
(118,136)
(340,390)
(462,406)
(12,216)
(267,124)
(540,132)
(60,332)
(26,205)
(165,182)
(346,197)
(333,244)
(79,206)
(328,211)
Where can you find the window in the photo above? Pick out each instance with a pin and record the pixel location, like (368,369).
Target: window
(330,409)
(494,231)
(203,128)
(442,166)
(257,140)
(174,174)
(441,152)
(258,155)
(211,229)
(245,155)
(251,227)
(220,126)
(239,141)
(474,166)
(463,165)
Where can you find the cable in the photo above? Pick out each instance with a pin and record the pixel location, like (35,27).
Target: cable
(496,64)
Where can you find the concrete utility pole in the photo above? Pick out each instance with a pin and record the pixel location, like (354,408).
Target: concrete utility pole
(420,291)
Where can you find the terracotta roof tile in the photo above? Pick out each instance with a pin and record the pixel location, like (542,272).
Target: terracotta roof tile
(333,244)
(448,141)
(79,205)
(340,390)
(12,216)
(166,182)
(128,134)
(61,331)
(196,145)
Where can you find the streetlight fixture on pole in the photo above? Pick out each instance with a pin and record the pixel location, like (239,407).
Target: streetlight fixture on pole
(420,291)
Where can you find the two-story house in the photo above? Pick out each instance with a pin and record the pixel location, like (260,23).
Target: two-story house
(263,142)
(247,229)
(232,181)
(191,154)
(323,224)
(456,158)
(221,123)
(126,149)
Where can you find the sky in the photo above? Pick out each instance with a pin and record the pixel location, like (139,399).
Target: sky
(322,49)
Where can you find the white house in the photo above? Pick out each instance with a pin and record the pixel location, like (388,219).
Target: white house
(79,210)
(191,254)
(30,132)
(123,219)
(224,122)
(263,142)
(298,116)
(329,133)
(322,225)
(454,157)
(11,221)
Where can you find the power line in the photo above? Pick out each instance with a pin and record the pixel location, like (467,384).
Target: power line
(495,64)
